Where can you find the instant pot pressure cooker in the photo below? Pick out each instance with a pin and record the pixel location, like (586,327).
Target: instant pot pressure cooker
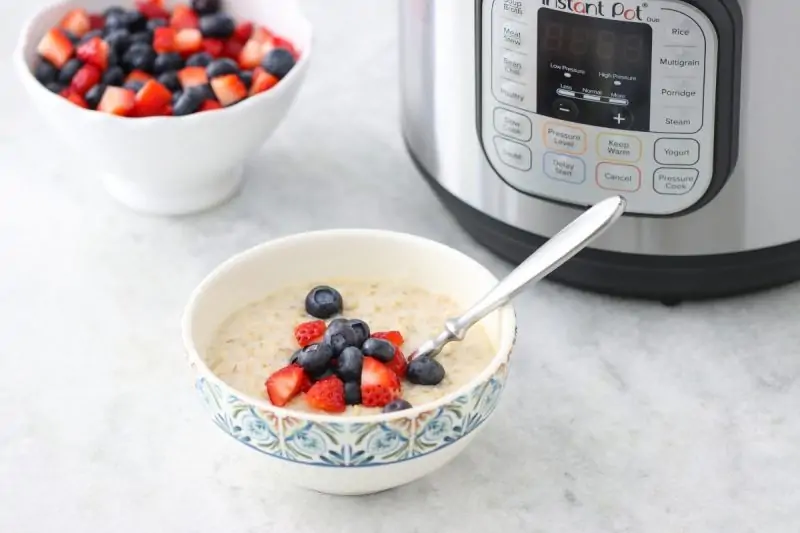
(522,112)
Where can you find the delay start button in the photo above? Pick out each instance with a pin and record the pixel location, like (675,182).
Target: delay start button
(618,177)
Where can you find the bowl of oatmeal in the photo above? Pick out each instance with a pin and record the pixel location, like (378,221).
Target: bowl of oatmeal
(299,349)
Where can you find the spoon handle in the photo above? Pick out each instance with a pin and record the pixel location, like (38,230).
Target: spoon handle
(560,248)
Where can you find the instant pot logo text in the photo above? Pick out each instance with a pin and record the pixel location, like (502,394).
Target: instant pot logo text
(598,8)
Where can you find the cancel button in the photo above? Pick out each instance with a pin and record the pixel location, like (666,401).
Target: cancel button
(675,181)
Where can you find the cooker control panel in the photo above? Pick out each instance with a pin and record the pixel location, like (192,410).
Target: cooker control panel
(586,98)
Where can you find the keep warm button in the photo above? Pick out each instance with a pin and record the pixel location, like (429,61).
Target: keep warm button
(675,181)
(618,177)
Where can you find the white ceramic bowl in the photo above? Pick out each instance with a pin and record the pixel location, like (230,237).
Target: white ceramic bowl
(170,165)
(348,455)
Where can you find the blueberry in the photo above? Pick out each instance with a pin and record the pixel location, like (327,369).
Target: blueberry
(205,7)
(352,393)
(88,36)
(74,39)
(314,358)
(116,10)
(136,20)
(278,62)
(45,72)
(119,40)
(221,67)
(425,371)
(139,58)
(217,26)
(169,61)
(205,91)
(114,76)
(142,37)
(340,338)
(323,302)
(328,372)
(170,80)
(68,70)
(113,58)
(94,95)
(247,78)
(396,405)
(117,20)
(362,330)
(152,24)
(54,87)
(200,59)
(134,85)
(380,349)
(189,102)
(349,363)
(176,96)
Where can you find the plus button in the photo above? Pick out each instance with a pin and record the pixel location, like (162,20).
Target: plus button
(619,118)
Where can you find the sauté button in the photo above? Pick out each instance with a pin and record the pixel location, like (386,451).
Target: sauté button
(677,151)
(513,154)
(564,138)
(618,177)
(564,168)
(512,124)
(674,181)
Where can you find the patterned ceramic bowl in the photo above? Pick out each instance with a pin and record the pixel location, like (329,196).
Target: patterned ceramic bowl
(347,454)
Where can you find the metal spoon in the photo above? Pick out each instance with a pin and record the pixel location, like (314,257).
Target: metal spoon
(551,255)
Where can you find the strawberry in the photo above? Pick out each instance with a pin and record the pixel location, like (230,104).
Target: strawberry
(95,52)
(55,47)
(229,89)
(164,40)
(242,32)
(96,21)
(184,17)
(77,99)
(210,105)
(232,49)
(307,383)
(215,47)
(285,384)
(192,76)
(138,75)
(117,101)
(395,337)
(262,81)
(398,365)
(167,111)
(76,22)
(261,35)
(308,332)
(152,99)
(379,385)
(250,56)
(280,42)
(188,41)
(87,77)
(152,9)
(327,395)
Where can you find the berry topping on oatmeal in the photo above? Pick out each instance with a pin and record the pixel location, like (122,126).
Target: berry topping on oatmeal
(396,405)
(380,349)
(425,371)
(327,395)
(323,302)
(285,384)
(309,332)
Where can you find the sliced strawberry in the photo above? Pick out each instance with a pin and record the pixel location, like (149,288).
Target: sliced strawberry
(229,89)
(242,32)
(209,105)
(151,99)
(65,92)
(183,17)
(167,111)
(261,34)
(280,42)
(215,47)
(262,81)
(285,384)
(188,41)
(192,76)
(327,395)
(87,77)
(117,101)
(398,365)
(379,384)
(250,56)
(309,332)
(76,22)
(232,49)
(138,75)
(152,9)
(55,47)
(395,337)
(307,383)
(96,21)
(78,100)
(164,40)
(95,52)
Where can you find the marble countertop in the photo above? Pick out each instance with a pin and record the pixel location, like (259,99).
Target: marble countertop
(619,416)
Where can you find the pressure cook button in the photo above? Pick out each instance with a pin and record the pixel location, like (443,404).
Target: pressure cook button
(563,138)
(512,124)
(565,109)
(513,65)
(677,151)
(513,154)
(514,8)
(564,168)
(513,35)
(674,181)
(618,177)
(512,93)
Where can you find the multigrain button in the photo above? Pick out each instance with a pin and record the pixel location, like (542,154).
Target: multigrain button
(618,177)
(513,65)
(619,147)
(513,35)
(674,181)
(513,154)
(682,60)
(512,124)
(564,138)
(677,151)
(564,168)
(514,8)
(512,93)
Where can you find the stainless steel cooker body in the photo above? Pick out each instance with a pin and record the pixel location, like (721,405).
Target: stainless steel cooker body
(522,112)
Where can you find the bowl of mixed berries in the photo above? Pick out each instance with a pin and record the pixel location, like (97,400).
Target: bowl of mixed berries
(165,101)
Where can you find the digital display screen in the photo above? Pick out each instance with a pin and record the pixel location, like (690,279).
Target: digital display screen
(594,71)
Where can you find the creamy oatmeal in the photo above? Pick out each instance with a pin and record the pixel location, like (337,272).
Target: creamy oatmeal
(259,340)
